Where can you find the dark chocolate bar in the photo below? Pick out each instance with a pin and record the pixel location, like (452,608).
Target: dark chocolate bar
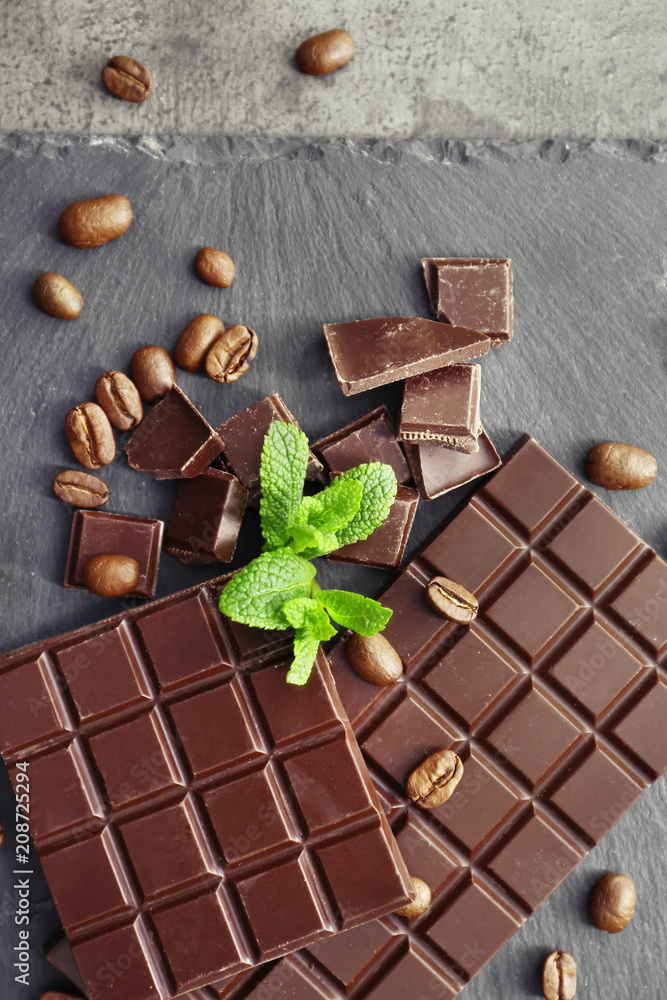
(190,809)
(98,533)
(385,546)
(373,352)
(438,469)
(370,438)
(472,291)
(173,441)
(443,407)
(206,518)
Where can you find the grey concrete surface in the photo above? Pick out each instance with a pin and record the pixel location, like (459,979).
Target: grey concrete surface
(423,68)
(335,230)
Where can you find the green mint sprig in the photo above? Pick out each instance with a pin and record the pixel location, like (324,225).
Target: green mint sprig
(278,590)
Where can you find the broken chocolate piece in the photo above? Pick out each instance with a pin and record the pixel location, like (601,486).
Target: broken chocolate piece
(385,546)
(206,518)
(443,407)
(369,438)
(438,469)
(98,533)
(476,292)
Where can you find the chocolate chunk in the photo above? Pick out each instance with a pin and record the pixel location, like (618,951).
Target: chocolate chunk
(438,469)
(385,546)
(206,518)
(369,438)
(99,533)
(474,292)
(443,407)
(373,352)
(173,441)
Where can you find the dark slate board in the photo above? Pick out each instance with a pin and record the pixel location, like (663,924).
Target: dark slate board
(334,231)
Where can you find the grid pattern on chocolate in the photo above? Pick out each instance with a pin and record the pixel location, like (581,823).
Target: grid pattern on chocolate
(553,698)
(139,734)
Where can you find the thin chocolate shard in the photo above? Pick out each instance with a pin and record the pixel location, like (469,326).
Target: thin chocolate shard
(369,438)
(385,546)
(438,469)
(443,407)
(368,353)
(476,292)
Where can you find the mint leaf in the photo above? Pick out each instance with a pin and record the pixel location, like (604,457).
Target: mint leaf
(379,487)
(255,595)
(362,614)
(304,612)
(282,475)
(334,507)
(305,652)
(311,542)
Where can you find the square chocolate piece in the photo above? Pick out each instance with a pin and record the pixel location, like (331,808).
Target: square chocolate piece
(442,407)
(369,438)
(173,441)
(98,533)
(472,291)
(385,546)
(206,518)
(438,469)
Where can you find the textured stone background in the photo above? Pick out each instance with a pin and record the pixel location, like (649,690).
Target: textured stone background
(334,230)
(470,69)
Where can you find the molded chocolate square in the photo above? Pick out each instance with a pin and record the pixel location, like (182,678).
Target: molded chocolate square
(642,606)
(173,441)
(409,735)
(117,962)
(369,438)
(308,711)
(414,625)
(348,954)
(248,817)
(443,407)
(472,551)
(412,976)
(472,291)
(98,533)
(206,518)
(423,853)
(335,786)
(642,729)
(33,714)
(438,469)
(385,546)
(78,801)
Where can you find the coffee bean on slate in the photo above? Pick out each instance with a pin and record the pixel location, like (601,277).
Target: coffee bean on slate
(111,575)
(435,779)
(119,398)
(232,354)
(196,341)
(324,53)
(128,79)
(559,976)
(420,903)
(56,296)
(451,600)
(152,372)
(215,267)
(95,221)
(616,466)
(90,435)
(374,659)
(613,902)
(80,489)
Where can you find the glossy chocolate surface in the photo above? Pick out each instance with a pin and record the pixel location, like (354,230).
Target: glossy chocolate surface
(373,352)
(206,518)
(98,533)
(370,438)
(473,292)
(173,441)
(385,546)
(190,809)
(437,469)
(443,407)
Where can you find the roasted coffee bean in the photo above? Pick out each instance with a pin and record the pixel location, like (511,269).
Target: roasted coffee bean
(232,354)
(613,902)
(451,600)
(128,79)
(90,435)
(152,372)
(111,575)
(80,489)
(56,296)
(215,267)
(324,53)
(120,400)
(196,341)
(95,221)
(617,466)
(433,782)
(2,835)
(559,976)
(420,903)
(374,659)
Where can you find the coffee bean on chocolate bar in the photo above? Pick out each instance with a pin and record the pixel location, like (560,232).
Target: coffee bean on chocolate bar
(196,341)
(420,903)
(119,398)
(435,779)
(152,372)
(80,489)
(111,575)
(374,659)
(616,466)
(324,53)
(451,600)
(232,354)
(559,976)
(215,267)
(90,435)
(128,79)
(56,296)
(613,902)
(95,221)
